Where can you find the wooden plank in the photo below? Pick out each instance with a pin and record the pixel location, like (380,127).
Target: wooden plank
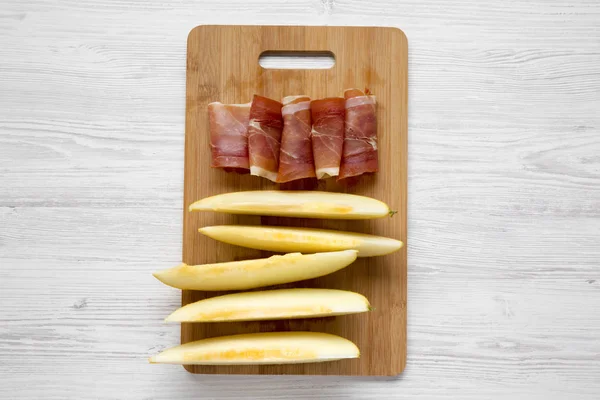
(222,65)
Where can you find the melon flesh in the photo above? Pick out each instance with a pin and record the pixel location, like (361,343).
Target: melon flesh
(272,304)
(260,348)
(305,204)
(304,240)
(249,274)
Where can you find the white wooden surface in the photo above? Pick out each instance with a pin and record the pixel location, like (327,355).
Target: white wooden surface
(504,226)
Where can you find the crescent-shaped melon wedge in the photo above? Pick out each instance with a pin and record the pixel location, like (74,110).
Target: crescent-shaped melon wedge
(304,240)
(260,348)
(272,304)
(305,204)
(249,274)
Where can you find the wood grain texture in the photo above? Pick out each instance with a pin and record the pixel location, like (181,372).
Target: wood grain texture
(503,188)
(222,65)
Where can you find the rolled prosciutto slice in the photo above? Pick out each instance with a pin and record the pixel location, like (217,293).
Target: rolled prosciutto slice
(296,154)
(327,135)
(264,137)
(360,136)
(228,124)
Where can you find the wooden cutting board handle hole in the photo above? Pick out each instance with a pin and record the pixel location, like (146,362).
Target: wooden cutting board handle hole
(276,59)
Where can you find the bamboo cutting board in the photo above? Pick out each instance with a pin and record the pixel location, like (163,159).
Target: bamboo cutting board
(222,65)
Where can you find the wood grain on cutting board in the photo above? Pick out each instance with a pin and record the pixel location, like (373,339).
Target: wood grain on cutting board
(222,65)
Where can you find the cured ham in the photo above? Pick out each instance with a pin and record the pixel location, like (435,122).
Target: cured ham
(296,154)
(264,137)
(228,125)
(359,154)
(327,135)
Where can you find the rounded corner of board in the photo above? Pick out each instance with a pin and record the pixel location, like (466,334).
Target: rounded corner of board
(400,33)
(190,369)
(398,373)
(197,30)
